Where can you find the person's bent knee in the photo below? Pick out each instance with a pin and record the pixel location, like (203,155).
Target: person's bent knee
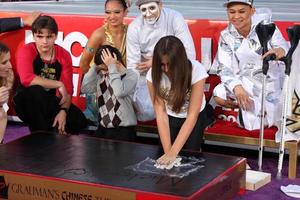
(35,89)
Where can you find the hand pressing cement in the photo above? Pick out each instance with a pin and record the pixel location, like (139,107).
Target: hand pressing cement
(175,163)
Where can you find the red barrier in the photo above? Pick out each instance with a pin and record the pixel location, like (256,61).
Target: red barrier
(74,31)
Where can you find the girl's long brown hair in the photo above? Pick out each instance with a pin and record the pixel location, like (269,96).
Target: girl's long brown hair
(179,71)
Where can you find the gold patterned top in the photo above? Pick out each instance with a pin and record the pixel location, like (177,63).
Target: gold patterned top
(109,39)
(166,96)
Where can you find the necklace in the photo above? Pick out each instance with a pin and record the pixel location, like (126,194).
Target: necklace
(48,62)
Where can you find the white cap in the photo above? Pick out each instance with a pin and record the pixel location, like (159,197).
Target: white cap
(140,2)
(248,2)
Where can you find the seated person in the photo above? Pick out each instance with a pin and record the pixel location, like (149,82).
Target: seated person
(6,82)
(239,65)
(43,99)
(114,85)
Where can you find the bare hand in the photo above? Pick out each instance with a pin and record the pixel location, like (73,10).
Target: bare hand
(144,66)
(167,158)
(107,58)
(28,20)
(228,103)
(242,97)
(60,122)
(279,53)
(4,95)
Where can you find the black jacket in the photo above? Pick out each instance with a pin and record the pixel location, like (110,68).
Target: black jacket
(10,24)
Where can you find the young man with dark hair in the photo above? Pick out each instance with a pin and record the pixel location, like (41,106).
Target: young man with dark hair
(43,98)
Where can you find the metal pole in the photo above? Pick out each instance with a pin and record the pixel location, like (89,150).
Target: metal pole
(262,124)
(262,113)
(282,127)
(264,32)
(294,35)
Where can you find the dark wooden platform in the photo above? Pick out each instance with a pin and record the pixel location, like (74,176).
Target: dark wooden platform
(51,166)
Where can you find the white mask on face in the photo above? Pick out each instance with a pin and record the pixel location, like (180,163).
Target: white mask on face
(150,12)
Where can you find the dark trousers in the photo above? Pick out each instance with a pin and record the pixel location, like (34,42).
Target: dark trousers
(117,133)
(38,108)
(196,137)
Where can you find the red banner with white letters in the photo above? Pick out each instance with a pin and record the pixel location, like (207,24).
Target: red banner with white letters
(74,31)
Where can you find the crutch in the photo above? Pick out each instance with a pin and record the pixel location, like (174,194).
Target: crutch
(264,32)
(293,34)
